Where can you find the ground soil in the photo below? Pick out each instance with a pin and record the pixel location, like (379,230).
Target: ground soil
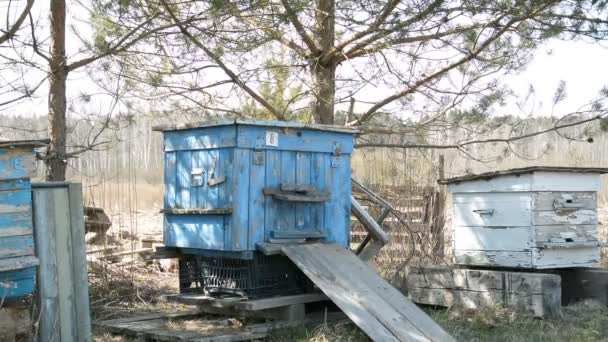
(132,286)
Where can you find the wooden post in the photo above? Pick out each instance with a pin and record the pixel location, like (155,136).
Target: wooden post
(62,281)
(81,279)
(48,291)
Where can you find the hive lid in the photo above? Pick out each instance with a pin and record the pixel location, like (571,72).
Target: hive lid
(522,170)
(24,143)
(266,123)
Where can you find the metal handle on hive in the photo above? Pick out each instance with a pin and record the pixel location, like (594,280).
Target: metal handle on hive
(484,211)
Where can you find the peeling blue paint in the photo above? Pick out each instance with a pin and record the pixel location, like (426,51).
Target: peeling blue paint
(249,158)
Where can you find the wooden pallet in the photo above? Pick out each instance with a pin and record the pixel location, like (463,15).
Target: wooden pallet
(289,308)
(166,327)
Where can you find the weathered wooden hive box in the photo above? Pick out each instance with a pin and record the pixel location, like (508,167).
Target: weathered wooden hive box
(17,259)
(234,183)
(536,217)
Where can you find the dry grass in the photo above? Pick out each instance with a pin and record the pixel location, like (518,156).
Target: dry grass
(137,290)
(581,322)
(321,333)
(132,289)
(122,196)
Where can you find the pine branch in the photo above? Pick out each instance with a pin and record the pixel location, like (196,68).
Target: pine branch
(12,30)
(218,61)
(293,18)
(509,140)
(368,115)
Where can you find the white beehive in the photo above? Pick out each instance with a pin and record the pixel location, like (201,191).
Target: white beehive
(536,217)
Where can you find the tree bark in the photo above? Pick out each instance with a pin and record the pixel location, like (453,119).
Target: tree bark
(56,160)
(324,72)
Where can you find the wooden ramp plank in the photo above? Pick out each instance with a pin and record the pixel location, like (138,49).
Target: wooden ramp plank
(369,301)
(392,296)
(373,302)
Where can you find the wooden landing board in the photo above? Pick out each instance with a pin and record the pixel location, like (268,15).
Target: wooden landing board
(167,327)
(380,310)
(536,293)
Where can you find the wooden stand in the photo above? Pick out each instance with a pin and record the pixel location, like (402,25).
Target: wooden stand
(539,292)
(536,293)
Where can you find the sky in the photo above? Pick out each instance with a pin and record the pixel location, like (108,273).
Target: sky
(583,66)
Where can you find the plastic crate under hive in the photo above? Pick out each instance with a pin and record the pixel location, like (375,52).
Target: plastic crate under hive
(261,276)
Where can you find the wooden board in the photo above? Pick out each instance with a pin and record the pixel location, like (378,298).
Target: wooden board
(271,248)
(536,181)
(60,244)
(572,217)
(367,299)
(275,302)
(492,238)
(537,293)
(161,327)
(18,263)
(493,258)
(547,200)
(198,299)
(492,210)
(146,317)
(18,162)
(563,232)
(566,257)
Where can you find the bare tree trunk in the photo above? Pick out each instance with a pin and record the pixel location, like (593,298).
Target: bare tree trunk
(56,159)
(324,72)
(325,83)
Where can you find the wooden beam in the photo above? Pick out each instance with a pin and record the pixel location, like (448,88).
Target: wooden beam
(18,263)
(269,248)
(200,300)
(198,211)
(275,302)
(536,293)
(368,221)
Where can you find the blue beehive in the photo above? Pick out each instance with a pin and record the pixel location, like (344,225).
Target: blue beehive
(234,183)
(17,260)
